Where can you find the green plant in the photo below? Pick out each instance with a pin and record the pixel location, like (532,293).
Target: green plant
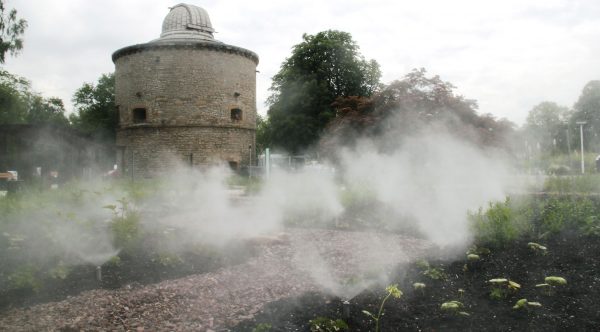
(555,281)
(502,287)
(167,259)
(537,248)
(324,324)
(125,224)
(435,273)
(25,277)
(60,271)
(419,286)
(262,327)
(392,291)
(454,307)
(500,224)
(524,304)
(473,258)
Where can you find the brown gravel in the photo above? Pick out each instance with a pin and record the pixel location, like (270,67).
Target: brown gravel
(303,260)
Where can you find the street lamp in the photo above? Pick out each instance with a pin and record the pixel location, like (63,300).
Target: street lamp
(581,123)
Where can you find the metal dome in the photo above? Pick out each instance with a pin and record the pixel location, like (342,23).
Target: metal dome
(187,22)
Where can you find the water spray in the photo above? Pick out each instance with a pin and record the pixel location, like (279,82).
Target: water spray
(99,273)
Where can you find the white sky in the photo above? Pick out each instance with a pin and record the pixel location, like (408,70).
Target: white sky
(508,55)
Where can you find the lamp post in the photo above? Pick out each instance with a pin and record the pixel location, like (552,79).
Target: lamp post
(581,123)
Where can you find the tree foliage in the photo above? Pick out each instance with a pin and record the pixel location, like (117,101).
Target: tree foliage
(11,30)
(416,102)
(20,105)
(321,68)
(546,127)
(96,112)
(587,108)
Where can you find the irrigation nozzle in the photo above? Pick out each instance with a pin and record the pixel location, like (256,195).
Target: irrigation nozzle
(99,273)
(346,309)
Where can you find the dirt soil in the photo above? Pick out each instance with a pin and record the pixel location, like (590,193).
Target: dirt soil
(287,266)
(572,307)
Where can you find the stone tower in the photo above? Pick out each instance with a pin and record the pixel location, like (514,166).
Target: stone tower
(184,98)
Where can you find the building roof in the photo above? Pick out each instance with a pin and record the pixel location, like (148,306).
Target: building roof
(187,22)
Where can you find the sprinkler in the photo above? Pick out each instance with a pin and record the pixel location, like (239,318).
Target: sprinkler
(99,273)
(346,309)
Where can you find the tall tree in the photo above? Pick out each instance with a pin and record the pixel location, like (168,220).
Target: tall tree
(13,108)
(20,105)
(11,30)
(321,68)
(546,127)
(96,111)
(587,108)
(416,102)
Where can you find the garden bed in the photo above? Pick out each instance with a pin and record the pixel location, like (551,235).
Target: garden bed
(221,299)
(572,307)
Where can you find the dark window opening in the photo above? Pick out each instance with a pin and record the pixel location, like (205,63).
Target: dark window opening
(139,115)
(233,165)
(236,114)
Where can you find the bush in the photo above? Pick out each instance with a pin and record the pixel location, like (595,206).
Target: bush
(501,223)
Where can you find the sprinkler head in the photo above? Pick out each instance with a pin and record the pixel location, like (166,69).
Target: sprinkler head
(346,309)
(99,273)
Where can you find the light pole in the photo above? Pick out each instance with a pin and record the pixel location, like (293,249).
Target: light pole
(581,123)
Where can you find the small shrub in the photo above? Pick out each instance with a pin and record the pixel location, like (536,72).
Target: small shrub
(501,223)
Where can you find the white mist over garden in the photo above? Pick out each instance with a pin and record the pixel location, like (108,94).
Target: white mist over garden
(428,182)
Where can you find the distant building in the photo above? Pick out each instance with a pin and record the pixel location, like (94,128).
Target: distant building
(184,97)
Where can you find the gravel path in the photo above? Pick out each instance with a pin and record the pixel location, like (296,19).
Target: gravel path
(302,260)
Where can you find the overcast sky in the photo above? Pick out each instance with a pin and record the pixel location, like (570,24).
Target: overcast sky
(509,55)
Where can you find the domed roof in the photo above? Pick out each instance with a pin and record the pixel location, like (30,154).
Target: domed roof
(187,22)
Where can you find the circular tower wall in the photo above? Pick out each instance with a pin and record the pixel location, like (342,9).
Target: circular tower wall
(184,98)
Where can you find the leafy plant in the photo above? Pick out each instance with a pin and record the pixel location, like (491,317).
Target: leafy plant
(550,284)
(500,224)
(392,291)
(324,324)
(25,277)
(537,248)
(419,286)
(524,304)
(454,307)
(473,258)
(502,287)
(435,273)
(125,224)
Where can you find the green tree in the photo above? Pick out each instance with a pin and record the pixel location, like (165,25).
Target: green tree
(46,111)
(415,103)
(13,108)
(546,126)
(321,68)
(263,135)
(587,108)
(96,112)
(19,105)
(11,30)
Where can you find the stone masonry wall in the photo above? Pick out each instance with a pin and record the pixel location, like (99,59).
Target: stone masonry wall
(188,92)
(150,151)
